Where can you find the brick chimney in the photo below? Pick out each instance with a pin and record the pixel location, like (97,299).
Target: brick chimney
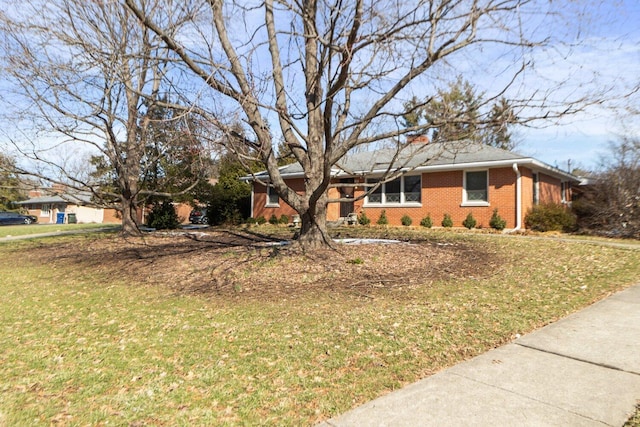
(417,139)
(58,188)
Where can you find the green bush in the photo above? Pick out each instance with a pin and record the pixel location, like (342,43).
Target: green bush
(163,216)
(496,222)
(426,222)
(469,221)
(274,219)
(228,204)
(229,201)
(406,220)
(447,221)
(261,220)
(251,220)
(550,217)
(284,219)
(383,218)
(363,219)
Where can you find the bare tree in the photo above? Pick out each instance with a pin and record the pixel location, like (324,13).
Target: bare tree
(327,77)
(609,203)
(89,79)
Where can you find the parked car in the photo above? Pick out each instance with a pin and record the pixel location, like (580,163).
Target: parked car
(198,216)
(9,218)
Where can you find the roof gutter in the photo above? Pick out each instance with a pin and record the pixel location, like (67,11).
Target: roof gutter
(526,161)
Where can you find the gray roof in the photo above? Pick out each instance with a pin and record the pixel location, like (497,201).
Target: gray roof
(75,199)
(428,158)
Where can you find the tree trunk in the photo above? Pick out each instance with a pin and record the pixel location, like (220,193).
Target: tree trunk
(313,228)
(129,218)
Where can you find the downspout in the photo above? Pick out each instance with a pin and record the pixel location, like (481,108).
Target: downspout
(518,198)
(253,185)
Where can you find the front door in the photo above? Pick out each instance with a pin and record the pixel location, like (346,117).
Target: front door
(346,207)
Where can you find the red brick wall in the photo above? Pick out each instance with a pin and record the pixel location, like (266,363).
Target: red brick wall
(260,200)
(549,189)
(183,210)
(111,216)
(527,191)
(441,193)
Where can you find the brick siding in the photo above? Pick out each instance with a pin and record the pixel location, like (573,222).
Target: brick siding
(442,192)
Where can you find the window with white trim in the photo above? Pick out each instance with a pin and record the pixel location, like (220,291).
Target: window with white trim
(402,190)
(45,210)
(476,187)
(412,189)
(272,196)
(375,197)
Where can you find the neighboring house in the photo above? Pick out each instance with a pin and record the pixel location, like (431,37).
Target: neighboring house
(65,207)
(53,206)
(438,179)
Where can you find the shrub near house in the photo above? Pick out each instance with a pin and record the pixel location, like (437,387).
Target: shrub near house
(550,217)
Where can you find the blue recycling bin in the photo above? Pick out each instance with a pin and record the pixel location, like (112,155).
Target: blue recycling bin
(60,218)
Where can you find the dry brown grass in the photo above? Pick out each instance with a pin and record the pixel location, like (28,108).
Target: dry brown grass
(222,328)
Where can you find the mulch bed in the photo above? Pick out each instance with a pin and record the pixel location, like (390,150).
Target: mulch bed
(236,264)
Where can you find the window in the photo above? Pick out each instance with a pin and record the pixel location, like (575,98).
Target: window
(412,189)
(476,187)
(376,195)
(403,190)
(45,210)
(536,189)
(272,197)
(393,191)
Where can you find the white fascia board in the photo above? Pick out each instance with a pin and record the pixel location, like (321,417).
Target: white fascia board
(559,173)
(264,175)
(525,161)
(334,173)
(456,166)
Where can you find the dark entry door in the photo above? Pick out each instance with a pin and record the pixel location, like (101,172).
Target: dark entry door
(346,193)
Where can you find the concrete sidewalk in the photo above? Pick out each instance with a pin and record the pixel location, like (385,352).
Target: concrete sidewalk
(583,370)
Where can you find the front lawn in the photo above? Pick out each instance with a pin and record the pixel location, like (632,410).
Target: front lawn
(220,328)
(24,230)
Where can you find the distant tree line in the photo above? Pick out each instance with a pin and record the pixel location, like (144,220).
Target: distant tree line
(610,202)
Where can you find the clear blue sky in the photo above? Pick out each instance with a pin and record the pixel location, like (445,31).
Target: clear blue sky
(606,55)
(609,57)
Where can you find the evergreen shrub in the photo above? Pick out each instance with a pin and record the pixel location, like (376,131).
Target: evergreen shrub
(496,222)
(447,221)
(163,216)
(383,218)
(426,222)
(469,222)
